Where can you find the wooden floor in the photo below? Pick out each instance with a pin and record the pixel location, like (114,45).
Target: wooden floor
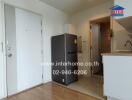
(51,91)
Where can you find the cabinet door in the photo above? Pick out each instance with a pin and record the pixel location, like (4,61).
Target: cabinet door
(117,77)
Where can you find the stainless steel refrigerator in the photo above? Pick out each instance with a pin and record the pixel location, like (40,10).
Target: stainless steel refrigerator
(64,58)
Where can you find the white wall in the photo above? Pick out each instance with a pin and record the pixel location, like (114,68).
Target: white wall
(120,37)
(53,23)
(69,28)
(80,21)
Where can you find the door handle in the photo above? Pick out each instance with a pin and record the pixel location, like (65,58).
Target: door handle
(72,52)
(10,55)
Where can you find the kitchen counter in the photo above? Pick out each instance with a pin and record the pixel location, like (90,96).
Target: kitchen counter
(117,54)
(117,75)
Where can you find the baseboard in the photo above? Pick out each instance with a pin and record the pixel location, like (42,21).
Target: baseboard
(14,93)
(21,91)
(3,97)
(47,81)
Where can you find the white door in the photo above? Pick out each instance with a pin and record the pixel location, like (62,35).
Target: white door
(29,58)
(23,40)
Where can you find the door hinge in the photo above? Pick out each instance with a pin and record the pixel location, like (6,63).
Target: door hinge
(42,52)
(41,27)
(41,22)
(41,32)
(42,76)
(2,47)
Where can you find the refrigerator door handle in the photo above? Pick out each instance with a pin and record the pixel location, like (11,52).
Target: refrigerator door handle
(72,52)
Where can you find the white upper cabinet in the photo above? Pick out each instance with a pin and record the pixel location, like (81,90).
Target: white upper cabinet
(127,4)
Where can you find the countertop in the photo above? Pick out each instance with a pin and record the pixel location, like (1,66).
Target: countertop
(117,54)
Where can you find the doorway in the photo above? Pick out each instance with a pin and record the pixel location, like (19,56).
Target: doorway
(23,47)
(100,42)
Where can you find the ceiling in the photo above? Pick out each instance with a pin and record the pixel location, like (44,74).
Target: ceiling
(73,6)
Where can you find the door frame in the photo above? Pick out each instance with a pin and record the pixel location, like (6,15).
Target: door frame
(4,81)
(5,86)
(90,34)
